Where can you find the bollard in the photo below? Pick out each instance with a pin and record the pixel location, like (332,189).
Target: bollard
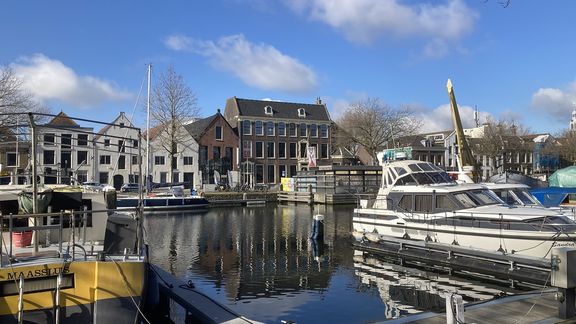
(563,264)
(318,228)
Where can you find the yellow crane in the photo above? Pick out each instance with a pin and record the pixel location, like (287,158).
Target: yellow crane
(466,161)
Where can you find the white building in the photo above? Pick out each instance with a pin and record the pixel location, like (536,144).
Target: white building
(118,149)
(65,151)
(183,164)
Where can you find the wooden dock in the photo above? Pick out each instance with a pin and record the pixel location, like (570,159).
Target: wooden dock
(536,307)
(304,197)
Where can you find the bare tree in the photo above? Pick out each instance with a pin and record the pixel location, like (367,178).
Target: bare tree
(567,147)
(499,138)
(14,99)
(374,124)
(173,103)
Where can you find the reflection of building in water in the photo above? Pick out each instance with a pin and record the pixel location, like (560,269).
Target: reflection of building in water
(250,252)
(407,291)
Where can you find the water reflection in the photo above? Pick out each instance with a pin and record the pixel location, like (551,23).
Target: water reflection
(261,262)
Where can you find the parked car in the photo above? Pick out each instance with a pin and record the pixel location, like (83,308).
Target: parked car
(92,186)
(130,187)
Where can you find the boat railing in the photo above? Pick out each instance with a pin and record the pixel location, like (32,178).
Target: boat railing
(65,219)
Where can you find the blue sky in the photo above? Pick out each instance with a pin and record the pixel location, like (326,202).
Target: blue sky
(89,59)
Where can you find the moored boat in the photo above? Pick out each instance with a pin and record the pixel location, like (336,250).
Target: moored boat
(418,200)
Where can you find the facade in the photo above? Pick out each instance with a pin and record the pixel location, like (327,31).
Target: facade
(177,165)
(14,157)
(66,151)
(218,146)
(276,139)
(118,149)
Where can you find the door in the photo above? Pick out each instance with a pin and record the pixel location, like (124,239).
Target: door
(118,181)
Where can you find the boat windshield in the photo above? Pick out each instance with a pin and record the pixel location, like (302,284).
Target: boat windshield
(555,223)
(526,198)
(476,198)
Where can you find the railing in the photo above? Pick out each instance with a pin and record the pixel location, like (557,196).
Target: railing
(38,219)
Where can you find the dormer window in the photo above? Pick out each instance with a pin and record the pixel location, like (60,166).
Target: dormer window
(301,112)
(268,110)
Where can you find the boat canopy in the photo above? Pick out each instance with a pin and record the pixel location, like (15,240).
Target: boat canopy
(411,172)
(555,196)
(563,178)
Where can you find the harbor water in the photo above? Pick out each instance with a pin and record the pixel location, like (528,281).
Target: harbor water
(260,262)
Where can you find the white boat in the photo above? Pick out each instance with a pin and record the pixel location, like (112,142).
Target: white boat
(174,199)
(418,200)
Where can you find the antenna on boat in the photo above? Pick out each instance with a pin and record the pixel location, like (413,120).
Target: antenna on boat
(148,132)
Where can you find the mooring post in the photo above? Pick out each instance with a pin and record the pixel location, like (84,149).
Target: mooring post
(563,265)
(454,309)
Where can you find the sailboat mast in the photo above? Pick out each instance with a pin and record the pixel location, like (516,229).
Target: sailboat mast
(148,132)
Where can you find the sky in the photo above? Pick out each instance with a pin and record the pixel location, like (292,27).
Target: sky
(89,58)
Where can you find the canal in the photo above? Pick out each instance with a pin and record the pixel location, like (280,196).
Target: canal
(260,262)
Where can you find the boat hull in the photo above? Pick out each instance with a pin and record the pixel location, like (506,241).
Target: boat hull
(91,291)
(164,204)
(368,224)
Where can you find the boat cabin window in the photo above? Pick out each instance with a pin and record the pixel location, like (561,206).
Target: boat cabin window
(423,203)
(527,198)
(553,222)
(400,171)
(405,180)
(405,203)
(507,197)
(485,197)
(425,166)
(465,200)
(443,203)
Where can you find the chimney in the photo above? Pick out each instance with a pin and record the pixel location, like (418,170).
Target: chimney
(318,101)
(218,110)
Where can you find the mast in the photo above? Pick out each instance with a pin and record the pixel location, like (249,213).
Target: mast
(148,132)
(34,179)
(465,158)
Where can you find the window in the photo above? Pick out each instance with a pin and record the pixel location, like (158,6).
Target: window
(121,125)
(444,203)
(258,128)
(82,139)
(268,110)
(82,157)
(281,129)
(270,150)
(246,127)
(82,176)
(48,139)
(188,160)
(216,152)
(121,147)
(228,153)
(301,112)
(260,149)
(259,173)
(11,159)
(134,159)
(103,177)
(106,142)
(303,132)
(292,150)
(163,176)
(176,177)
(135,143)
(247,149)
(423,203)
(292,171)
(66,140)
(122,162)
(218,132)
(270,128)
(282,170)
(323,151)
(65,159)
(282,150)
(159,160)
(405,203)
(324,131)
(303,150)
(271,173)
(104,159)
(49,157)
(314,130)
(292,129)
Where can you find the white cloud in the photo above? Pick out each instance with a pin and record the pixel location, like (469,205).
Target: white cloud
(554,102)
(48,79)
(258,65)
(440,118)
(363,21)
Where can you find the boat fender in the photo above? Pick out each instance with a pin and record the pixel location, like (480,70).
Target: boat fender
(318,227)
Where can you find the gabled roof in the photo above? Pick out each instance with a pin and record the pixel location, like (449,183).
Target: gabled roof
(107,127)
(280,110)
(198,128)
(62,120)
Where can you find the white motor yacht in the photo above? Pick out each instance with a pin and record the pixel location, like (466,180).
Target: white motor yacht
(418,200)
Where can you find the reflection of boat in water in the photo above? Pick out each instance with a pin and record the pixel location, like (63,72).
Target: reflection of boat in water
(407,291)
(420,201)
